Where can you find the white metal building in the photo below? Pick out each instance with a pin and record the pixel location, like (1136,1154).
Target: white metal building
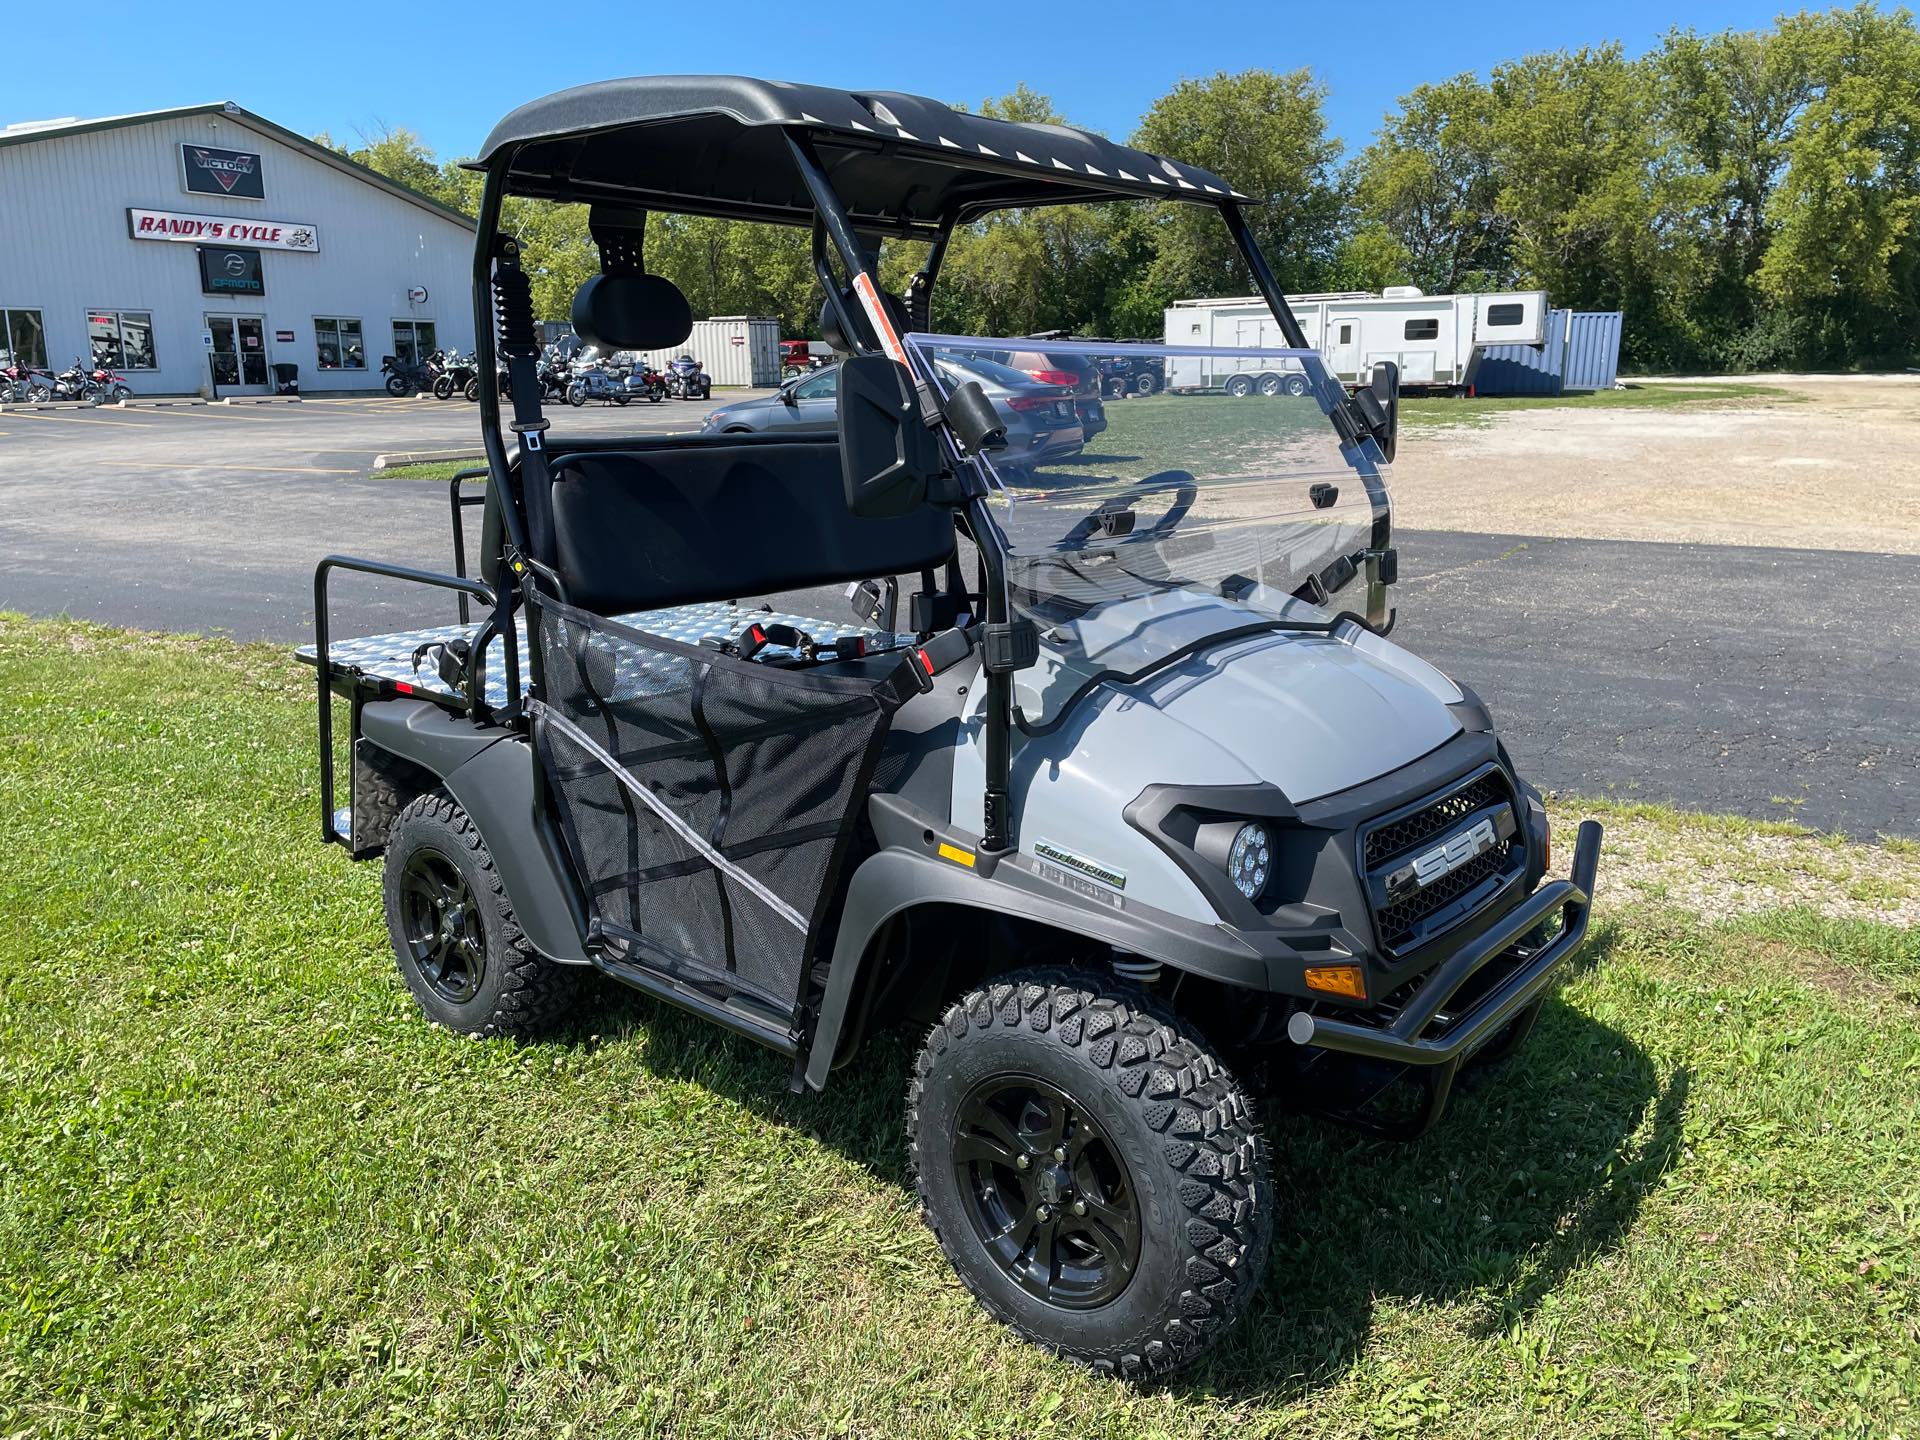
(186,246)
(1436,340)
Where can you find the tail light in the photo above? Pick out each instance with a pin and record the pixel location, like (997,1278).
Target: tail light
(1031,402)
(1055,377)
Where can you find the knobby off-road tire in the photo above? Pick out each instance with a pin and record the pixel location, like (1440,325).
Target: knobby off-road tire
(492,982)
(1195,1163)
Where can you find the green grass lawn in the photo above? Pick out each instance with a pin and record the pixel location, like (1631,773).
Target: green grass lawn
(246,1191)
(1422,410)
(442,470)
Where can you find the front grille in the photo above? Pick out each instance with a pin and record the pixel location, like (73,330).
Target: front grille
(1437,907)
(1399,922)
(1389,840)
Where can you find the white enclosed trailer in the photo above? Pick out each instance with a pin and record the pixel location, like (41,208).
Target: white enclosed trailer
(1436,340)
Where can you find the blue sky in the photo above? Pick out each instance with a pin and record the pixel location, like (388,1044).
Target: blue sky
(436,68)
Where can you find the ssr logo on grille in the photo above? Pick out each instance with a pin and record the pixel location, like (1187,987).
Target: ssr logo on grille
(1445,858)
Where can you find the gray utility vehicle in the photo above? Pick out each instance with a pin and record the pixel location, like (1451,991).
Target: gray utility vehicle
(1114,779)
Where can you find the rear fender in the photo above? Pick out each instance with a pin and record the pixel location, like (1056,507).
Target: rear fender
(488,769)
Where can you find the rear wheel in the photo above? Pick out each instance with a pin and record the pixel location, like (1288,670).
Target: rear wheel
(1296,385)
(1240,386)
(459,946)
(1091,1170)
(1146,383)
(1269,385)
(397,386)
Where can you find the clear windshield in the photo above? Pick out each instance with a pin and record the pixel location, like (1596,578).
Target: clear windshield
(1161,500)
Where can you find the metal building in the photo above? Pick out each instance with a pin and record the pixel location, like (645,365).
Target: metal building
(207,245)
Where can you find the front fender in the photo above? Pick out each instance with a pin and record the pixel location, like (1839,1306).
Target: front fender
(901,877)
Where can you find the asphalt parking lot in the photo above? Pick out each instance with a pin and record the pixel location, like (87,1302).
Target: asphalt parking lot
(1771,681)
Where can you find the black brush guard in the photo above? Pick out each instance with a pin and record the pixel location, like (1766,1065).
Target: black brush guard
(1512,1001)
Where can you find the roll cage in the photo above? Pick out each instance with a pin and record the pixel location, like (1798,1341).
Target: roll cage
(857,168)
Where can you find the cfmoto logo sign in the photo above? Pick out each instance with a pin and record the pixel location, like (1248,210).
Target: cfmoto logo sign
(236,265)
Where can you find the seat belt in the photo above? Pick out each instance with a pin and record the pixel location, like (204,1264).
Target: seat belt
(513,312)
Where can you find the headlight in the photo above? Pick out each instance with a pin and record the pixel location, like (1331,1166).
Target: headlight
(1250,860)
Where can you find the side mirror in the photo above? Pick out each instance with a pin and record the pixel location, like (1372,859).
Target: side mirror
(1379,403)
(887,454)
(787,397)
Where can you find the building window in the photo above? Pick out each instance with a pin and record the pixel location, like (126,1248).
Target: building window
(121,339)
(339,343)
(1423,330)
(413,341)
(23,338)
(1509,314)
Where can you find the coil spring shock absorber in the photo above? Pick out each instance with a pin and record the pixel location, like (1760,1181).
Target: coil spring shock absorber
(1138,969)
(513,304)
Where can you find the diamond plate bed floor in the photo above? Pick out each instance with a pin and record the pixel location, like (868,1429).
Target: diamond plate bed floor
(390,657)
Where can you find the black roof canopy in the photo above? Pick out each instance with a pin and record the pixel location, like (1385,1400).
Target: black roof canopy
(901,164)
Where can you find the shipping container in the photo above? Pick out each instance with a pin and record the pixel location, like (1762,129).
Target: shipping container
(1582,353)
(737,350)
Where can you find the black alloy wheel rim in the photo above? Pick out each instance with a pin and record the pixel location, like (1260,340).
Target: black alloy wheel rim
(444,936)
(1047,1193)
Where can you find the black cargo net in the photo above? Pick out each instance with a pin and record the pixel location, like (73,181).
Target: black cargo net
(706,800)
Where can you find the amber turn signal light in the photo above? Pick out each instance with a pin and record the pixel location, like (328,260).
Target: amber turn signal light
(1344,980)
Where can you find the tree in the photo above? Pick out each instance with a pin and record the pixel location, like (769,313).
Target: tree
(1266,134)
(1843,217)
(1430,182)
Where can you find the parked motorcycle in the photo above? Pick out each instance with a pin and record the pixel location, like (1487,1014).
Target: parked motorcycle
(105,387)
(404,379)
(93,384)
(21,384)
(555,374)
(648,384)
(687,379)
(594,379)
(453,373)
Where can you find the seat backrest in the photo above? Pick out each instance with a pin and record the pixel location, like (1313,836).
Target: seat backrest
(722,519)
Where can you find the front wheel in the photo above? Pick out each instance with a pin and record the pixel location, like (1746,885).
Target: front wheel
(472,392)
(398,387)
(1091,1170)
(443,387)
(577,394)
(1146,383)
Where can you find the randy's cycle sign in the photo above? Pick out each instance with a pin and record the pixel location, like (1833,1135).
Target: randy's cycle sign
(202,229)
(212,171)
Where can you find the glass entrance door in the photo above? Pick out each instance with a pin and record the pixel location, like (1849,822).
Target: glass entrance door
(239,355)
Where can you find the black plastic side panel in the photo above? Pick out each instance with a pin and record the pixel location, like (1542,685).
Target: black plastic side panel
(489,770)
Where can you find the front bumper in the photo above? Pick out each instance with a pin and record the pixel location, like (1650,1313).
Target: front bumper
(1458,1036)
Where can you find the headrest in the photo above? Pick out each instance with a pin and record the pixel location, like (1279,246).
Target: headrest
(631,312)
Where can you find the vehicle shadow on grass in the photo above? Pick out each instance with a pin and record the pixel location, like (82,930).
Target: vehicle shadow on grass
(1538,1168)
